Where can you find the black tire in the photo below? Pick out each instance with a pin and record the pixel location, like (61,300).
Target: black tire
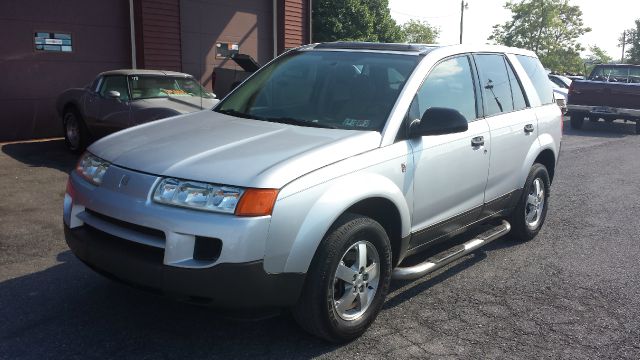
(594,118)
(576,120)
(316,310)
(71,118)
(637,127)
(521,229)
(608,120)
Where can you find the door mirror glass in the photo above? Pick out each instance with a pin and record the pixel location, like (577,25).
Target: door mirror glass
(112,94)
(439,121)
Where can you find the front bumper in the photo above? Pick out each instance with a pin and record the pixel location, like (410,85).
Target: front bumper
(119,231)
(237,285)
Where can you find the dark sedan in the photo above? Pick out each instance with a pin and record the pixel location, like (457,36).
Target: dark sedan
(119,99)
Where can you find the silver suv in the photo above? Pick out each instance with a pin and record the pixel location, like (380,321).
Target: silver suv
(310,184)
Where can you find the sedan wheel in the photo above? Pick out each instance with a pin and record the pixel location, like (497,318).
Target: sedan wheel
(72,130)
(75,134)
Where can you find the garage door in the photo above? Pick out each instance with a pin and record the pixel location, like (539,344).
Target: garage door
(49,46)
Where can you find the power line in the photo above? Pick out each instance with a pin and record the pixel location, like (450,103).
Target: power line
(422,17)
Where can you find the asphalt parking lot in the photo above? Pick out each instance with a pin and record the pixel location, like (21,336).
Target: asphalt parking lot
(573,292)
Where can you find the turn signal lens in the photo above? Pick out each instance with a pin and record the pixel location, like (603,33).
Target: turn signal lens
(257,202)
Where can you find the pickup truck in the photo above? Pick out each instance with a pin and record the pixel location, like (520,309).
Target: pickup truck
(611,92)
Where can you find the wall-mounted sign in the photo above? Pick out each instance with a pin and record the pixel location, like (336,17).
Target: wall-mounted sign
(49,41)
(226,50)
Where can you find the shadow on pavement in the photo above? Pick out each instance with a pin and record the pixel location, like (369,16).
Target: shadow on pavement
(402,291)
(67,311)
(615,130)
(49,153)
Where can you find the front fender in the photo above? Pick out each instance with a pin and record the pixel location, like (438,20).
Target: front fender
(300,221)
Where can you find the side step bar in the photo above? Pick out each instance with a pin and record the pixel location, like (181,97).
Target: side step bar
(439,260)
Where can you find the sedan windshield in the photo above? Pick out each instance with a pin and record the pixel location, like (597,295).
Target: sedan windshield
(155,86)
(331,89)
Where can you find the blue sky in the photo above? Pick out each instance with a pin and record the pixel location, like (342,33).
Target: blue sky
(607,19)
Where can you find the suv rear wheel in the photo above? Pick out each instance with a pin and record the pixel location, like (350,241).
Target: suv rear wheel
(531,211)
(348,280)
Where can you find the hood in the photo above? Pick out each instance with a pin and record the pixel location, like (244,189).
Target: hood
(182,104)
(217,148)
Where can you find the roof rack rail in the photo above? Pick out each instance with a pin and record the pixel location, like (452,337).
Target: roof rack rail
(357,45)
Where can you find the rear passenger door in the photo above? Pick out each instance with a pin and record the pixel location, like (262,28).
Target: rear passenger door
(450,171)
(513,127)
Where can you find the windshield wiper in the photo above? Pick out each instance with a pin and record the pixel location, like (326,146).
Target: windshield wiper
(292,121)
(239,114)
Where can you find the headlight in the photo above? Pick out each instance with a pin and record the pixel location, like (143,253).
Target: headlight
(197,195)
(92,168)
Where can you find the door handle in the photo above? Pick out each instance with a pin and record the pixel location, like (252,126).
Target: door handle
(528,128)
(477,141)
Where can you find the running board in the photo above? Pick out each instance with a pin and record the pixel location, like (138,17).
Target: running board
(439,260)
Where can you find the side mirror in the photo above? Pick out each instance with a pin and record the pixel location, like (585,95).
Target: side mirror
(439,121)
(113,94)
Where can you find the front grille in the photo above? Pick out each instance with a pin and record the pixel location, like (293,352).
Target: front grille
(127,225)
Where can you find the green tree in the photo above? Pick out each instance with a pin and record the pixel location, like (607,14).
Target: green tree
(596,56)
(550,28)
(355,20)
(420,32)
(632,40)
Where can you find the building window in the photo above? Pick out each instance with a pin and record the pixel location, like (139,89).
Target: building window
(56,42)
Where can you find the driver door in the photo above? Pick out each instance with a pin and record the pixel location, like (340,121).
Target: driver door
(451,170)
(114,113)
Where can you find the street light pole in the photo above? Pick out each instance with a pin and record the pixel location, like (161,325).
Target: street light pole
(463,6)
(624,42)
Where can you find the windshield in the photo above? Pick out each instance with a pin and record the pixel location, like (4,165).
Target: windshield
(155,86)
(333,89)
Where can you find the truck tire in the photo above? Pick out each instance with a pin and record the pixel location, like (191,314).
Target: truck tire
(637,127)
(528,217)
(347,281)
(576,120)
(75,131)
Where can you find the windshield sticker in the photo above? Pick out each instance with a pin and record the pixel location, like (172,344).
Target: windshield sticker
(356,122)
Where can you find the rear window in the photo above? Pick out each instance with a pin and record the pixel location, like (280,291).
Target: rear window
(539,77)
(616,74)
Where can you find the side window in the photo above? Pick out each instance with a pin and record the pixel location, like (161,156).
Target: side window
(538,77)
(519,101)
(115,83)
(450,85)
(95,86)
(494,82)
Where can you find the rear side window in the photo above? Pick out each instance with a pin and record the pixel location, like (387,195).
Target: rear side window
(519,101)
(449,85)
(494,82)
(539,77)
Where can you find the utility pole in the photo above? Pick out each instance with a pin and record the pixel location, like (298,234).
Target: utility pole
(624,42)
(463,6)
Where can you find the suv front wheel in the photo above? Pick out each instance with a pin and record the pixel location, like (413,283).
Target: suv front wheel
(347,281)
